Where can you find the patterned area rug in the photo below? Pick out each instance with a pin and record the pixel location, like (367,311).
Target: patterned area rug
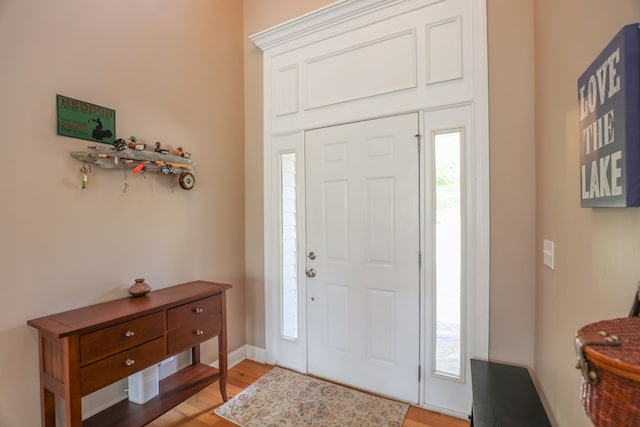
(283,398)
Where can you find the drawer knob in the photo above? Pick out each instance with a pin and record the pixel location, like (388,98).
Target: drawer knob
(129,333)
(198,332)
(197,310)
(129,362)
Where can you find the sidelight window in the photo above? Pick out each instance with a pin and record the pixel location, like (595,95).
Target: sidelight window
(448,250)
(288,243)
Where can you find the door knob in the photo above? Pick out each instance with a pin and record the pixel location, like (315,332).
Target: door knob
(311,272)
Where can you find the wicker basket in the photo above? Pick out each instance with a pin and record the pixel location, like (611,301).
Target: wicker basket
(609,357)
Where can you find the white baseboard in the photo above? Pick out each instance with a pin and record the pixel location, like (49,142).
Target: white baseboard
(256,354)
(250,352)
(444,411)
(104,398)
(233,358)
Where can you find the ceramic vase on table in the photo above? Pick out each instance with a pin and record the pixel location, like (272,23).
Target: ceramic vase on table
(139,288)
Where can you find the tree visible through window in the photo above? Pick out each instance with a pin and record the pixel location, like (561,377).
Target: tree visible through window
(448,227)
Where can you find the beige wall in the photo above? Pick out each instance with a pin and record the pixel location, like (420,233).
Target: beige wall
(173,72)
(597,250)
(512,171)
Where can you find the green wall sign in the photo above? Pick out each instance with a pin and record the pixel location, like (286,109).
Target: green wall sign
(79,119)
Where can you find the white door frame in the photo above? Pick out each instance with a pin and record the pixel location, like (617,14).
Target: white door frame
(294,51)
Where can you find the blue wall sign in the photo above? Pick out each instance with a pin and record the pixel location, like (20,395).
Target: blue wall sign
(609,111)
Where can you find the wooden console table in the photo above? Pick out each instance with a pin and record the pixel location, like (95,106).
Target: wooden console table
(86,349)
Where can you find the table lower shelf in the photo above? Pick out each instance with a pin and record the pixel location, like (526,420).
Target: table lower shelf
(174,390)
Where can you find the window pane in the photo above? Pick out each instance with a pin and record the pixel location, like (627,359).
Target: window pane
(289,285)
(448,230)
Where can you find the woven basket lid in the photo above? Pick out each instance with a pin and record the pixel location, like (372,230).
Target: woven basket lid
(622,360)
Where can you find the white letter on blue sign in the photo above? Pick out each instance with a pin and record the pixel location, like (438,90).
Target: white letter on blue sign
(614,80)
(609,135)
(594,188)
(583,104)
(583,180)
(592,93)
(616,173)
(604,182)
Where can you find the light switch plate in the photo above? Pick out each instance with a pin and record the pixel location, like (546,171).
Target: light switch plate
(548,251)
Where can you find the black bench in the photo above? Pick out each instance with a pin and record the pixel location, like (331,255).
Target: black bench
(504,396)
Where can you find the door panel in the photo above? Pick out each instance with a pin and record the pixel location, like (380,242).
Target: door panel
(362,222)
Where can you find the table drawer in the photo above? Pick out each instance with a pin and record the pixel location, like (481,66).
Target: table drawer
(106,371)
(193,323)
(114,339)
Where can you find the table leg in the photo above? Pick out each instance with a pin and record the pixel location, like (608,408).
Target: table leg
(222,349)
(48,407)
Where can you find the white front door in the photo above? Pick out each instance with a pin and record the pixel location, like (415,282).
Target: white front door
(362,258)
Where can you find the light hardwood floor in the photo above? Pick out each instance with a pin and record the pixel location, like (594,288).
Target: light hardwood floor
(198,410)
